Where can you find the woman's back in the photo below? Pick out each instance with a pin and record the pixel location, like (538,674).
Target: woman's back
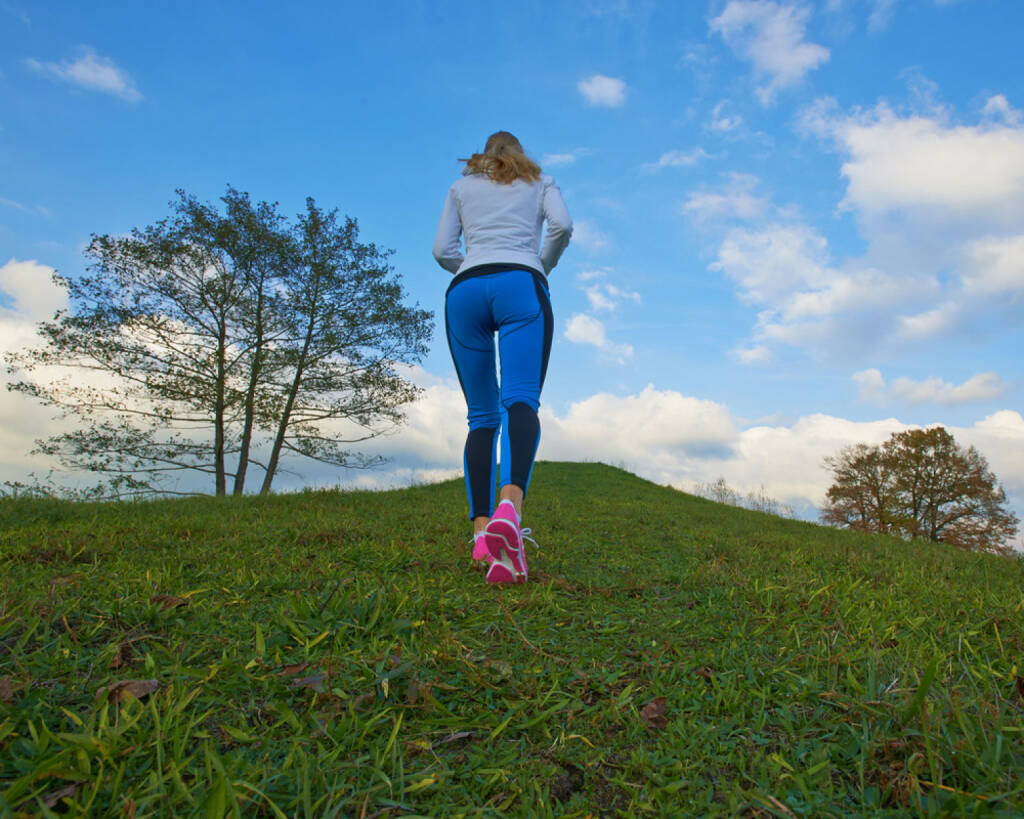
(499,217)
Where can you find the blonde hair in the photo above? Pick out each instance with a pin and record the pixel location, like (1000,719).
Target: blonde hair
(503,160)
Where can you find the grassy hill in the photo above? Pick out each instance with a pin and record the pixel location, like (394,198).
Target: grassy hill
(336,654)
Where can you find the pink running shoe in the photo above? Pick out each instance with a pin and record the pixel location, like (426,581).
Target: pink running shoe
(480,550)
(505,543)
(502,571)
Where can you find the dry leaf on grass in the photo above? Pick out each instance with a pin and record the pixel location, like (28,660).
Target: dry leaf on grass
(168,601)
(287,670)
(118,691)
(654,714)
(704,674)
(6,690)
(122,656)
(314,681)
(69,791)
(458,735)
(418,692)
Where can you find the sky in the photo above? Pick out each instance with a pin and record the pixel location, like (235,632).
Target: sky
(798,225)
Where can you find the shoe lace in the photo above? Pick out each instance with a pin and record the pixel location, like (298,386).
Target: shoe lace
(525,534)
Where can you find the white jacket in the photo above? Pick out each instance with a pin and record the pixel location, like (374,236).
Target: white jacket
(502,224)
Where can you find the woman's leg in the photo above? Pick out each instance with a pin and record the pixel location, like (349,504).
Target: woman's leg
(470,331)
(525,328)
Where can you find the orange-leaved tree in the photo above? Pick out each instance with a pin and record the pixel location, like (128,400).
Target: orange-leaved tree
(920,484)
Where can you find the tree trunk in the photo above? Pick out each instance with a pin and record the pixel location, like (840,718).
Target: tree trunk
(282,427)
(218,413)
(250,400)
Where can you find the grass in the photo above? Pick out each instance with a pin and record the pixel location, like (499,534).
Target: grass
(335,654)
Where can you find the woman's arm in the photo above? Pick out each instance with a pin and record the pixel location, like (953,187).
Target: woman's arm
(447,248)
(559,227)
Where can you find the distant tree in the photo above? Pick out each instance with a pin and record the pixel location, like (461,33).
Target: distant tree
(190,336)
(920,484)
(759,501)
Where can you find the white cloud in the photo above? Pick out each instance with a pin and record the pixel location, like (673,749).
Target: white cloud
(554,160)
(998,107)
(30,287)
(734,200)
(34,297)
(723,122)
(584,329)
(994,265)
(753,356)
(924,166)
(871,385)
(881,14)
(773,263)
(938,202)
(924,94)
(771,36)
(662,428)
(982,387)
(18,14)
(91,71)
(677,159)
(804,301)
(607,92)
(11,203)
(928,324)
(604,297)
(564,158)
(586,235)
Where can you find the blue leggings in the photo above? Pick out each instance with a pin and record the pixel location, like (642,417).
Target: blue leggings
(515,305)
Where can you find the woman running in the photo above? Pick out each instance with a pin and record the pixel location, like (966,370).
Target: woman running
(500,205)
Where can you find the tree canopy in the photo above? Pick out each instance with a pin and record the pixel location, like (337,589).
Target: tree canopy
(215,340)
(920,484)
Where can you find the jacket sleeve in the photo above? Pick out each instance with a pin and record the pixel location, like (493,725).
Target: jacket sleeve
(559,226)
(446,243)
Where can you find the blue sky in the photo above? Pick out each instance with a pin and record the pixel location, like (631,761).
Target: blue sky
(798,223)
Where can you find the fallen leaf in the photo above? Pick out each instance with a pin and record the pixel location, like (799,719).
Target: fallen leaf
(122,655)
(654,714)
(6,690)
(168,601)
(293,669)
(704,674)
(453,738)
(1019,681)
(314,681)
(117,692)
(68,792)
(418,692)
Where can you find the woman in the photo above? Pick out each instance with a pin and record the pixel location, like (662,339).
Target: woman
(500,205)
